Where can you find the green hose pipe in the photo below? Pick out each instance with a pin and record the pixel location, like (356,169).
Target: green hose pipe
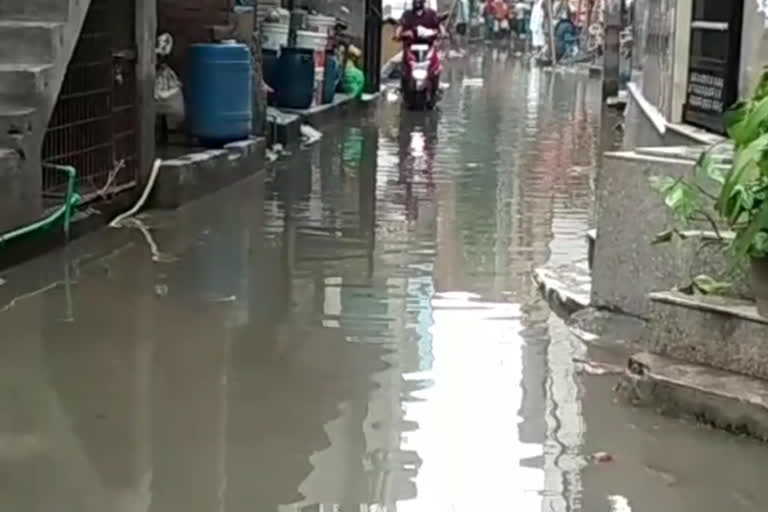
(64,211)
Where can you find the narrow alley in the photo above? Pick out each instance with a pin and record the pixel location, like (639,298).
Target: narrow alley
(361,333)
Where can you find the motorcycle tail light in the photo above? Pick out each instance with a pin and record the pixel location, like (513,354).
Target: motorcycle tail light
(434,62)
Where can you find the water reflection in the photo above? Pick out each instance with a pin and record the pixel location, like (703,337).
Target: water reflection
(361,334)
(465,201)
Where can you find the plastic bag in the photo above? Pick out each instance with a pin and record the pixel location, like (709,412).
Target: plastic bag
(354,81)
(169,98)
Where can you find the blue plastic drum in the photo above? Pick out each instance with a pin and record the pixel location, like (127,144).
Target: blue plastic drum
(295,78)
(218,92)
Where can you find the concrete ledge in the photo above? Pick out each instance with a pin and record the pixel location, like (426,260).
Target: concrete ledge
(191,176)
(84,221)
(283,128)
(645,125)
(649,111)
(341,106)
(725,400)
(319,115)
(719,332)
(691,153)
(284,125)
(697,135)
(618,333)
(739,308)
(626,264)
(618,102)
(566,289)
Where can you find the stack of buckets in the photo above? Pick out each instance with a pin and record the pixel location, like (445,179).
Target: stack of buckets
(264,7)
(316,38)
(274,36)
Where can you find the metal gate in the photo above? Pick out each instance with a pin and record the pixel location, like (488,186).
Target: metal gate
(93,126)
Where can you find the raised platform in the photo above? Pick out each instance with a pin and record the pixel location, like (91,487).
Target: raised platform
(284,124)
(318,115)
(718,332)
(191,175)
(566,288)
(282,128)
(725,400)
(645,125)
(627,264)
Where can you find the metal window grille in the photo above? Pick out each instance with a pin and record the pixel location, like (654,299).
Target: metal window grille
(93,126)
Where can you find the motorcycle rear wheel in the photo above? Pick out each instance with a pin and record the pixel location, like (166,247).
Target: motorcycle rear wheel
(417,100)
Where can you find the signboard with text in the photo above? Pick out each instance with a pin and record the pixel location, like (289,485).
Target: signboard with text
(713,68)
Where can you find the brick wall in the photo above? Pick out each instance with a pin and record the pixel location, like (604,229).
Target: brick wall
(192,21)
(199,21)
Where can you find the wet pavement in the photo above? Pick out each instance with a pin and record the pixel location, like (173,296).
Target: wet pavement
(360,334)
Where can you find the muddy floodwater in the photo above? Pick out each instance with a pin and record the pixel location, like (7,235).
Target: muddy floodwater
(359,334)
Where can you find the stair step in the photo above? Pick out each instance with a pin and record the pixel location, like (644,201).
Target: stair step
(22,84)
(33,42)
(9,162)
(720,332)
(17,207)
(7,155)
(16,123)
(37,10)
(726,400)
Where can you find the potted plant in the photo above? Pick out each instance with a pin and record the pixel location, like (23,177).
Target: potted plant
(732,194)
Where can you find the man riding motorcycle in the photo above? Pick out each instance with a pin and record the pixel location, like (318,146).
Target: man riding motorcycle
(419,14)
(408,32)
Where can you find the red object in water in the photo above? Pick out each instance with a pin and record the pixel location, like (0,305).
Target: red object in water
(602,457)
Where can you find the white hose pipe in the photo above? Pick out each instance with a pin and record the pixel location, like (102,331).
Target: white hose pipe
(117,221)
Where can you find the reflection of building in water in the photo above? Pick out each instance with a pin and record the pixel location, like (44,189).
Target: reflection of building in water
(569,217)
(74,372)
(554,216)
(565,424)
(360,468)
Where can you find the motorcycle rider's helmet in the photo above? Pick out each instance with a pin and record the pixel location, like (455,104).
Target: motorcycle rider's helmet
(418,5)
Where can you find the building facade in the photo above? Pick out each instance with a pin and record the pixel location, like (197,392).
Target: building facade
(693,59)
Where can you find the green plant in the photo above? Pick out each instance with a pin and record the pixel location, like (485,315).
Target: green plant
(729,194)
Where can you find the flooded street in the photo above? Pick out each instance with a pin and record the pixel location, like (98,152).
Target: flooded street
(360,334)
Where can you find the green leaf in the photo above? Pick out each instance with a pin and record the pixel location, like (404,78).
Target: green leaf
(662,183)
(759,247)
(741,202)
(709,286)
(745,169)
(708,167)
(746,122)
(745,238)
(761,91)
(734,119)
(683,200)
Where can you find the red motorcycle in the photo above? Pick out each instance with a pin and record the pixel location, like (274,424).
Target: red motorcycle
(421,68)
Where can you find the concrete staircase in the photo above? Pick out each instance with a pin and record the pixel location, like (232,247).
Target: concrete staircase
(37,38)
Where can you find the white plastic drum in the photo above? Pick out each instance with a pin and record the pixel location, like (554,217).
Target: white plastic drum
(274,36)
(311,40)
(321,24)
(314,41)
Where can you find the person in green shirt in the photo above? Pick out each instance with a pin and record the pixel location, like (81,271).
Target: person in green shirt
(353,78)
